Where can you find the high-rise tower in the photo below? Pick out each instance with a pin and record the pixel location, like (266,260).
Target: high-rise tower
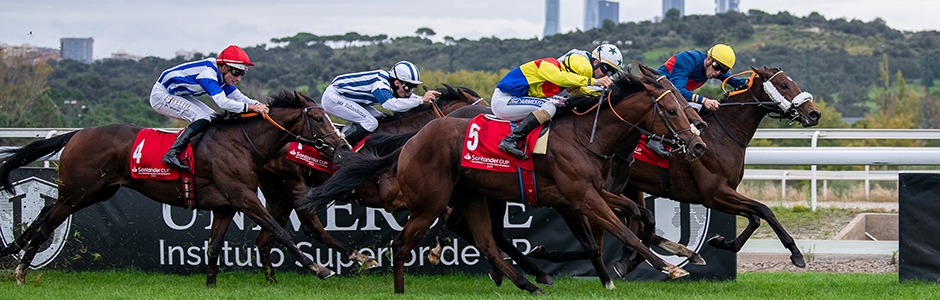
(552,10)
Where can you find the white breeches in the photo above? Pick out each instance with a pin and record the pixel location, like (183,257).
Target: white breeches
(178,107)
(510,108)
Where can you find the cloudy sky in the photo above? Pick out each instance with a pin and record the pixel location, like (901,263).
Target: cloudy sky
(160,28)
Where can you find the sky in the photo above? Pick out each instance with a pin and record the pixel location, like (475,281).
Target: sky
(146,28)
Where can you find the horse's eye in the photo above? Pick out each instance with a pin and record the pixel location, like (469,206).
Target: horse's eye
(784,86)
(672,112)
(318,119)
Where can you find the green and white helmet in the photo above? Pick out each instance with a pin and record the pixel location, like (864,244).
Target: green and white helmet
(610,55)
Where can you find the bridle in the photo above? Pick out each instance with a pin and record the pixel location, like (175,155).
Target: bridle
(779,107)
(317,142)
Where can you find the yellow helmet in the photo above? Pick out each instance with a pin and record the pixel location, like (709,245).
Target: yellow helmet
(579,65)
(723,54)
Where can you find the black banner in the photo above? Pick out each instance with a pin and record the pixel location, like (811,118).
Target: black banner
(131,230)
(918,209)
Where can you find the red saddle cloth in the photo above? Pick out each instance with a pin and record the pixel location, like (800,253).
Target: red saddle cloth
(481,146)
(309,157)
(148,151)
(644,154)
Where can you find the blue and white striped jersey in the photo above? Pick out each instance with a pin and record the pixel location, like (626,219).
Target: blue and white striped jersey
(202,77)
(372,87)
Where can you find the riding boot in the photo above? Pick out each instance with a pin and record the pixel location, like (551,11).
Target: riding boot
(658,148)
(511,142)
(355,133)
(171,158)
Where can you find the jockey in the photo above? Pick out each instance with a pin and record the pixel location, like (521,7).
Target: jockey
(689,70)
(351,96)
(174,95)
(528,93)
(606,59)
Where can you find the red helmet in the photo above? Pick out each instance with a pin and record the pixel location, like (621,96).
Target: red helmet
(235,57)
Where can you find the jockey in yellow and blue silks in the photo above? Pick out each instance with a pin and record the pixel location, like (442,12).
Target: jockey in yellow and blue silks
(526,94)
(691,69)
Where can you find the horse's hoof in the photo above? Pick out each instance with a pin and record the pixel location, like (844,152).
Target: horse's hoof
(678,273)
(496,277)
(697,260)
(716,241)
(621,268)
(538,292)
(797,260)
(434,256)
(370,264)
(610,285)
(545,280)
(325,273)
(537,251)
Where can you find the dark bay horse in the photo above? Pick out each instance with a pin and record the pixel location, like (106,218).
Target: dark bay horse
(95,163)
(569,176)
(713,179)
(281,178)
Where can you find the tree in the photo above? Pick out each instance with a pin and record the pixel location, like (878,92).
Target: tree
(22,81)
(425,32)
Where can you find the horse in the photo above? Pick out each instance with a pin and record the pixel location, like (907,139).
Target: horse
(228,158)
(281,178)
(429,175)
(713,179)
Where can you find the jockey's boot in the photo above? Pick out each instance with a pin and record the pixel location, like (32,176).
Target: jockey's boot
(658,148)
(354,134)
(171,157)
(510,143)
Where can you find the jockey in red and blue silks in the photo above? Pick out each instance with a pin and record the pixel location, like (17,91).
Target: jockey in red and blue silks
(691,69)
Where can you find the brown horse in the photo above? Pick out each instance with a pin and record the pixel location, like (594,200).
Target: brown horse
(569,176)
(282,178)
(229,156)
(712,180)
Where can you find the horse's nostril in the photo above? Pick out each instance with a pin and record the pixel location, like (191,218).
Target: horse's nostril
(814,115)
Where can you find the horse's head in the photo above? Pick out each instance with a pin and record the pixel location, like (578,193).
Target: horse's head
(690,112)
(675,128)
(789,101)
(308,123)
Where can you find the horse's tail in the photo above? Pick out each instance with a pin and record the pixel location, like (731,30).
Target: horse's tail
(356,169)
(18,157)
(384,144)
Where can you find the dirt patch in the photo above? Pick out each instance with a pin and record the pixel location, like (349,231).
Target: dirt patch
(826,263)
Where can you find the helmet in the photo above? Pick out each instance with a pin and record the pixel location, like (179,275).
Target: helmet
(723,54)
(405,71)
(610,55)
(235,57)
(578,64)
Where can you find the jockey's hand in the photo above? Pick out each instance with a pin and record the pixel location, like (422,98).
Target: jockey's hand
(604,81)
(710,104)
(259,108)
(430,96)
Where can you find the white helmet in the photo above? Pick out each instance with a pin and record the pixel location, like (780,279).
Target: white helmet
(610,55)
(405,71)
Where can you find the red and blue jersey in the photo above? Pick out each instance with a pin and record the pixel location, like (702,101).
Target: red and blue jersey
(686,71)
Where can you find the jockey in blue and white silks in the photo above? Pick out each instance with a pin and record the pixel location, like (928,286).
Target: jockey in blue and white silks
(351,97)
(174,95)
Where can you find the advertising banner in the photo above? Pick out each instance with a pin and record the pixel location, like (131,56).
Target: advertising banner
(132,231)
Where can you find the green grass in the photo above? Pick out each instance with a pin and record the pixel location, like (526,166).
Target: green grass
(237,285)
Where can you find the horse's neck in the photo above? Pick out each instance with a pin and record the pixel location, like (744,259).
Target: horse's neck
(611,132)
(742,121)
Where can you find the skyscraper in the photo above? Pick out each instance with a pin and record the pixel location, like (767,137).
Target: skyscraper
(723,6)
(590,14)
(595,11)
(677,4)
(607,10)
(79,49)
(551,18)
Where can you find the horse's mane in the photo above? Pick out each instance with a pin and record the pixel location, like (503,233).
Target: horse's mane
(448,94)
(279,99)
(625,84)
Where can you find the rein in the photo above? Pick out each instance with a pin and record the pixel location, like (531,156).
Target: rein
(649,134)
(317,142)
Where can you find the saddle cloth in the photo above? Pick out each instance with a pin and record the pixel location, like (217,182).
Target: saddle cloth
(149,148)
(644,154)
(310,157)
(481,151)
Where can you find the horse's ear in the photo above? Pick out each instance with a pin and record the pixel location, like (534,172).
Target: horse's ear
(299,96)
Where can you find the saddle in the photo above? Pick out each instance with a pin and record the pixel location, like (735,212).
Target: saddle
(149,148)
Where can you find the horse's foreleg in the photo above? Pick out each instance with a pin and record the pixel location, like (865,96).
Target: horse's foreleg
(733,203)
(220,223)
(579,226)
(314,228)
(260,216)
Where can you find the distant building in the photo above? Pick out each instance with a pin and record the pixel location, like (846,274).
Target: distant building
(595,11)
(552,26)
(79,49)
(28,51)
(677,4)
(187,55)
(723,6)
(121,55)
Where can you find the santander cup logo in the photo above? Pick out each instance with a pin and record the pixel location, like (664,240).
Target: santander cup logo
(19,210)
